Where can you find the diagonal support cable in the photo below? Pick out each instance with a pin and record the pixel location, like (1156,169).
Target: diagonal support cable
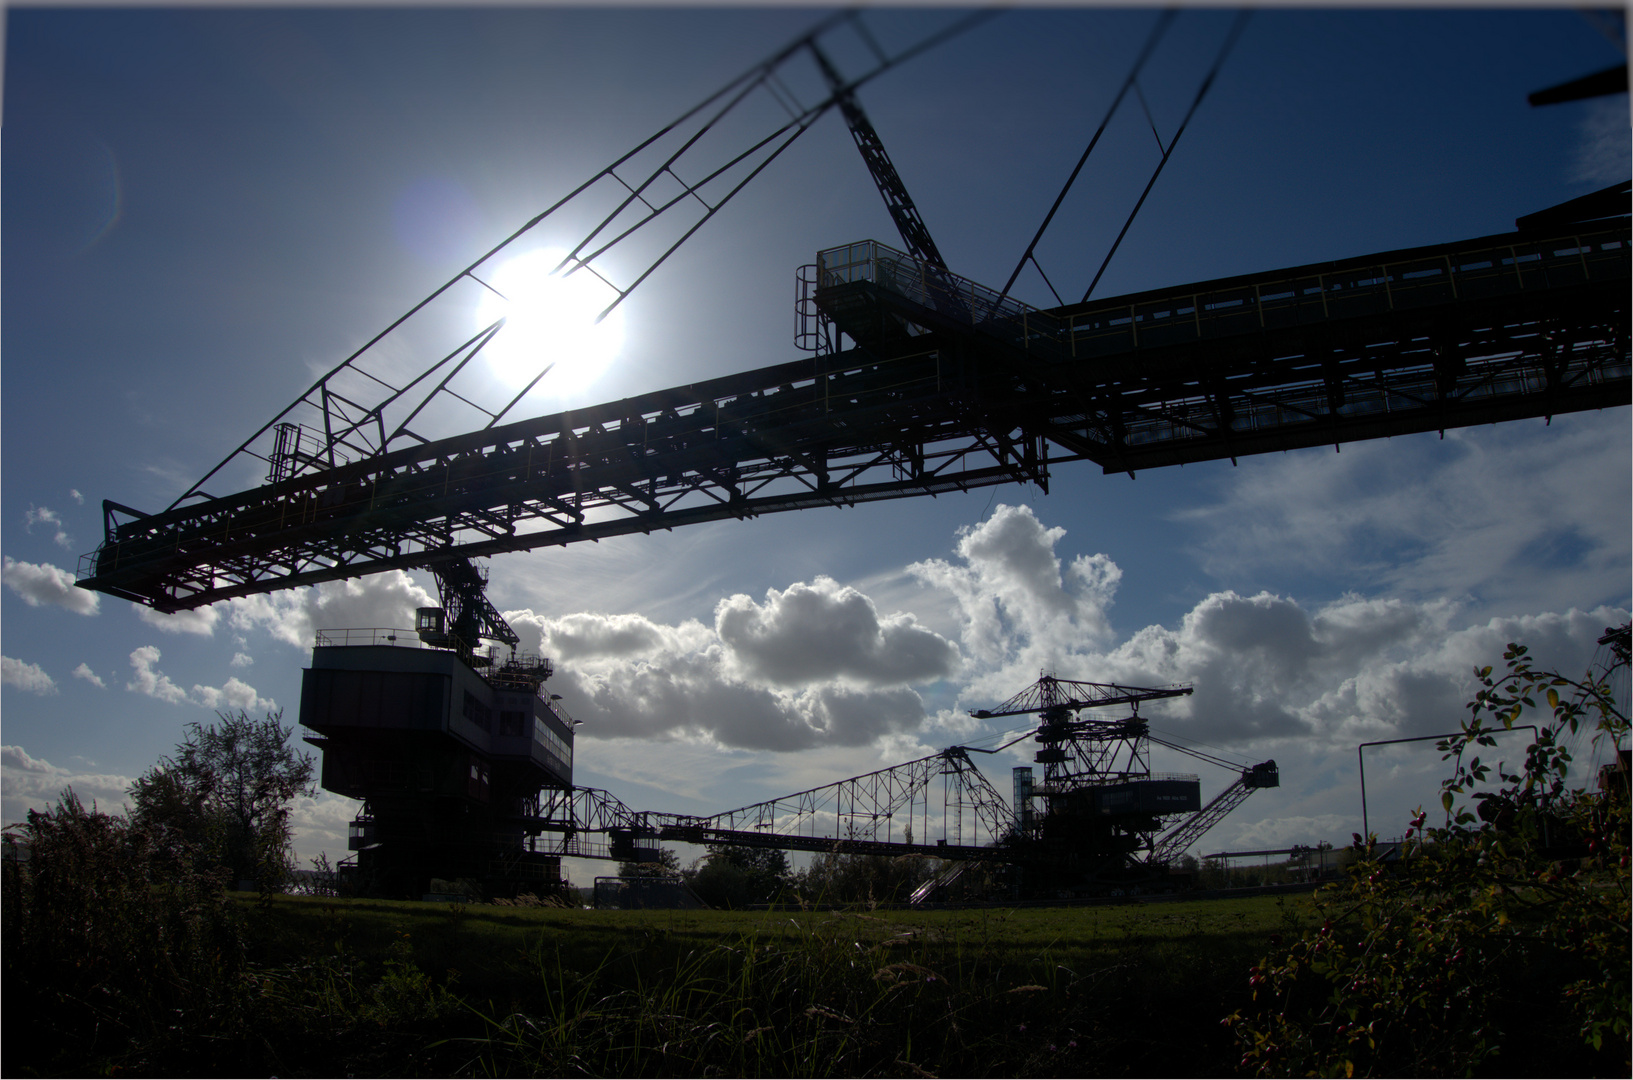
(1202,92)
(630,171)
(1161,27)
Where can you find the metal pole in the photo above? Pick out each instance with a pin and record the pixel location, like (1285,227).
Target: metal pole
(1365,831)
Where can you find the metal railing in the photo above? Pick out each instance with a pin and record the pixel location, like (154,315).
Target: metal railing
(369,635)
(1246,306)
(933,288)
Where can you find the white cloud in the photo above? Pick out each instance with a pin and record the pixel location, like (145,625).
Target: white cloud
(814,666)
(73,493)
(1425,518)
(1021,612)
(30,783)
(741,684)
(25,676)
(84,672)
(149,680)
(319,826)
(16,759)
(295,616)
(235,695)
(46,516)
(41,584)
(242,660)
(823,632)
(196,621)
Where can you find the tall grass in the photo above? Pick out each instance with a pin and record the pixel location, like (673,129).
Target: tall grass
(870,996)
(110,935)
(126,970)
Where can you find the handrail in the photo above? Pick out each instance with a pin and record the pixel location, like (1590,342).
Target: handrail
(1363,288)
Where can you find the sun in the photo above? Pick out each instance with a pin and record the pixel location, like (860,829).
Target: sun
(550,318)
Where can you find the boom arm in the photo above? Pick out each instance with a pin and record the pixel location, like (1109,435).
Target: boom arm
(902,211)
(1174,842)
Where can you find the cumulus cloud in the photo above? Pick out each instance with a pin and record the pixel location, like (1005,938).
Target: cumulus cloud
(294,616)
(196,621)
(589,637)
(84,672)
(25,676)
(823,632)
(27,782)
(73,493)
(242,660)
(1021,609)
(40,584)
(739,684)
(1264,667)
(46,516)
(235,695)
(816,665)
(149,680)
(319,825)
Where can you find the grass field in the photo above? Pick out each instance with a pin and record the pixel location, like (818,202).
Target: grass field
(401,988)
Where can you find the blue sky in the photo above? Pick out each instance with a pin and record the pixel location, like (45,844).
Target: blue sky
(203,208)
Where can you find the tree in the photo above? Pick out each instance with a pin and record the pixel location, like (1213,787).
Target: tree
(1502,932)
(110,934)
(666,866)
(834,878)
(733,877)
(226,791)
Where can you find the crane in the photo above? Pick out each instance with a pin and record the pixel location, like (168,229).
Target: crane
(1101,805)
(907,392)
(918,381)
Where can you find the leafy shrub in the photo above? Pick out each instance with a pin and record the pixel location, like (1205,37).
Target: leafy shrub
(110,931)
(1501,936)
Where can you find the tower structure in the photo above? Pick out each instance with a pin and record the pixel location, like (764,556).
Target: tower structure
(449,747)
(1097,816)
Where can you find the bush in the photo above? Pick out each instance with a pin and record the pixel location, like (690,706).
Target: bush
(1503,933)
(110,930)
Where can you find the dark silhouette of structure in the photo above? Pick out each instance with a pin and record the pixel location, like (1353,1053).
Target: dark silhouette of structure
(919,382)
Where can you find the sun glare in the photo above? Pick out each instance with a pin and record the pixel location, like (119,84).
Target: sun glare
(549,319)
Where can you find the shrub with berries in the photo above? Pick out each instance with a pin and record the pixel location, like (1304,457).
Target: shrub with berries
(1499,937)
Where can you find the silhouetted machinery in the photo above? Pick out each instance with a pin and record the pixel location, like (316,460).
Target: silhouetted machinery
(1097,822)
(919,382)
(1099,819)
(448,747)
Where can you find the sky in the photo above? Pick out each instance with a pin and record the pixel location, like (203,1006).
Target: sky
(201,209)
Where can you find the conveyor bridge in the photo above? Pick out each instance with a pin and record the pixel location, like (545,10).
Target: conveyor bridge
(937,397)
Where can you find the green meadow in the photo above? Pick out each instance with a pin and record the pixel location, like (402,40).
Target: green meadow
(384,988)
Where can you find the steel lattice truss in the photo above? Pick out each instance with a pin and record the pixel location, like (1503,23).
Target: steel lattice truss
(832,432)
(618,226)
(1174,842)
(874,813)
(582,823)
(1050,692)
(1427,339)
(1423,339)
